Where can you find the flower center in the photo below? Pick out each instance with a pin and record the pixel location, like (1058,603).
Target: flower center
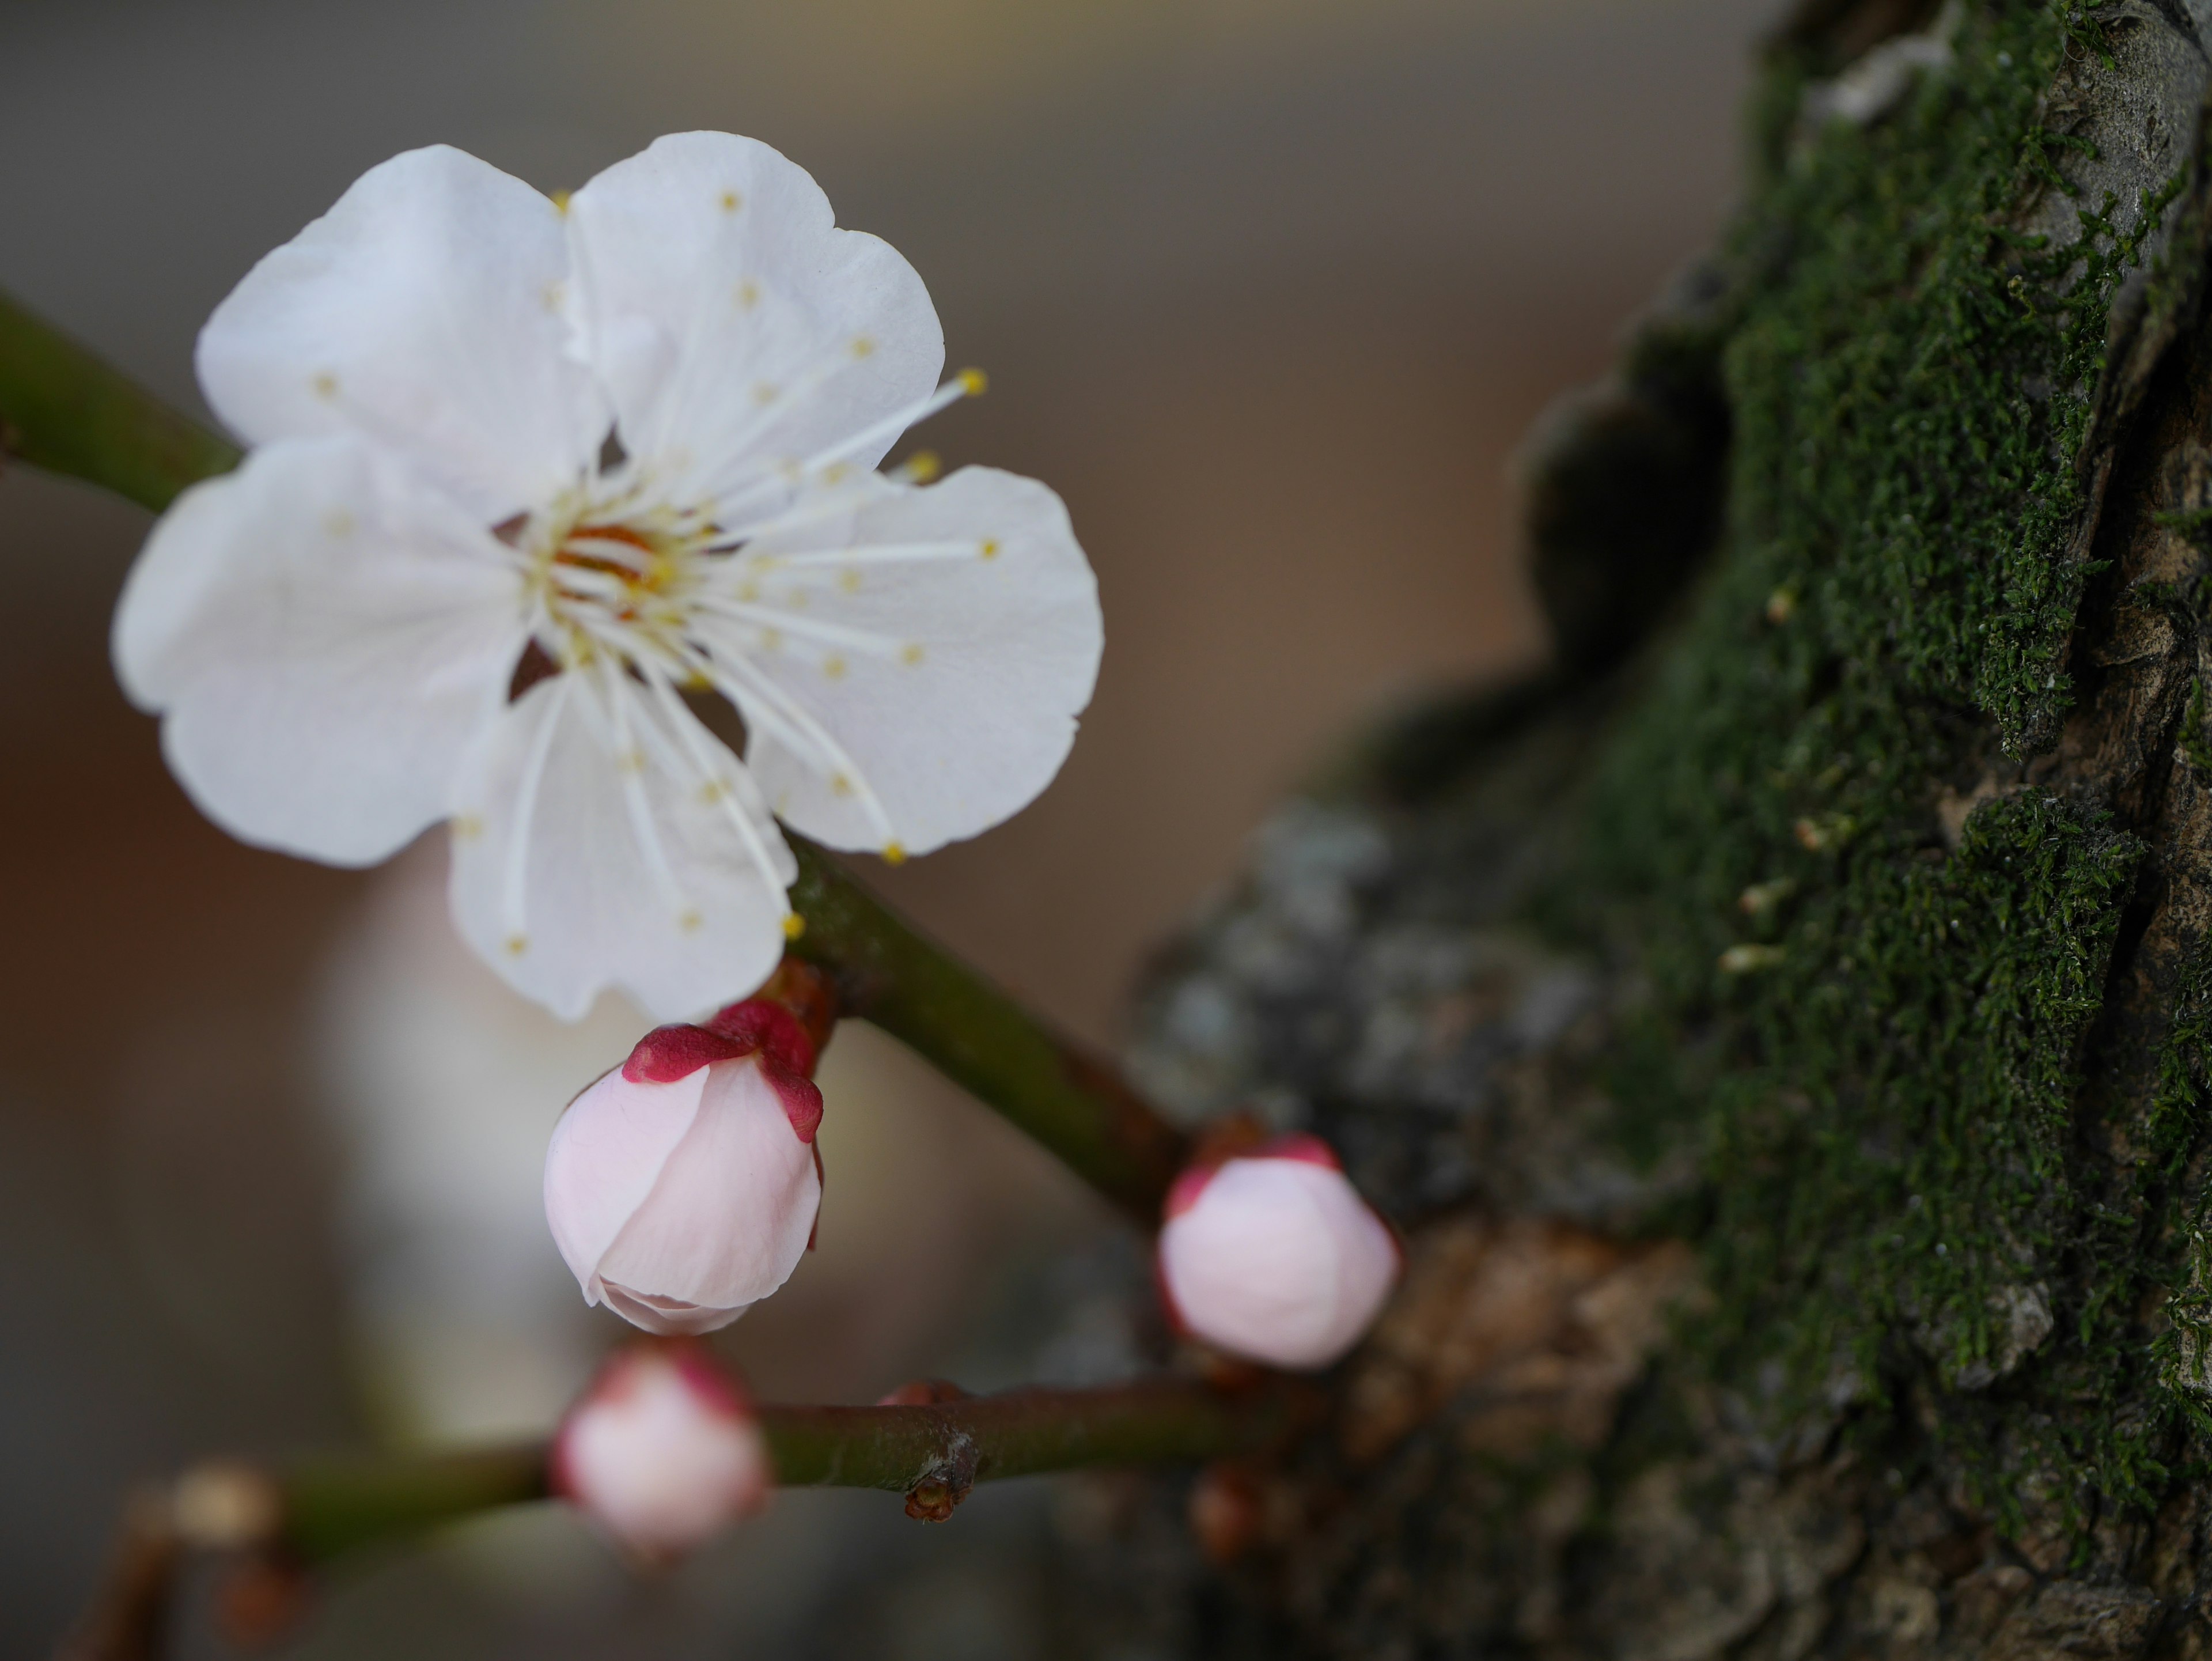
(611,587)
(633,601)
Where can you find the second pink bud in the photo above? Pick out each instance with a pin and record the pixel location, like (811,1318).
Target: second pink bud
(1272,1255)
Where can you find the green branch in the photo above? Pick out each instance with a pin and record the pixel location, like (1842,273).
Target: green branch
(1020,1432)
(63,410)
(1073,1102)
(930,1453)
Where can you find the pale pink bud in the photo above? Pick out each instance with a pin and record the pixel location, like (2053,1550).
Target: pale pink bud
(682,1188)
(1273,1256)
(663,1451)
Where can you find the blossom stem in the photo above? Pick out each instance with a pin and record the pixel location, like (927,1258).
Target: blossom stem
(1071,1101)
(932,1453)
(65,410)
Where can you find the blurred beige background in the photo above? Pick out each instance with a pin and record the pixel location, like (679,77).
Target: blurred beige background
(1267,288)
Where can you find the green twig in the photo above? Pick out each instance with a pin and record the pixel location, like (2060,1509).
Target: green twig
(1021,1432)
(65,410)
(331,1505)
(930,1453)
(1073,1102)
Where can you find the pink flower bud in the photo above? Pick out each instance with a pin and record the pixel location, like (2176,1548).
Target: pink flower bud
(663,1451)
(1274,1257)
(682,1188)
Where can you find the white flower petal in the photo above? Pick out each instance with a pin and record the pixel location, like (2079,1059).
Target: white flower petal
(426,309)
(949,677)
(734,324)
(606,1153)
(627,870)
(326,634)
(729,1217)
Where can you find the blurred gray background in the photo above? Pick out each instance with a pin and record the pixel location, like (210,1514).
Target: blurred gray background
(1268,289)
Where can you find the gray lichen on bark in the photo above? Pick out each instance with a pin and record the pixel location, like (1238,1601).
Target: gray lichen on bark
(1781,1029)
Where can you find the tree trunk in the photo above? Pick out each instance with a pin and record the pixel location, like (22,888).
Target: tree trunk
(1782,1030)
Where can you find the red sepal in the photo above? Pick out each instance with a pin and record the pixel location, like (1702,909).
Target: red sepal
(1301,1146)
(758,1023)
(755,1026)
(1190,1182)
(1237,1142)
(802,1102)
(670,1053)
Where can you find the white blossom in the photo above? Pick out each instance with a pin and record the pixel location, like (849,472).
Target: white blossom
(529,477)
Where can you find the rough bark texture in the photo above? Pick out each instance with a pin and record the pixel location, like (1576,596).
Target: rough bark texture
(1784,1035)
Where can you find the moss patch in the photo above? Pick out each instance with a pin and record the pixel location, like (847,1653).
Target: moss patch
(1877,1034)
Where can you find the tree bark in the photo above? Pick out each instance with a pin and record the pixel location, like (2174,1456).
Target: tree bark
(1781,1029)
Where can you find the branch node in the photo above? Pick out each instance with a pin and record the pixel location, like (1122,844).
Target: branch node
(945,1483)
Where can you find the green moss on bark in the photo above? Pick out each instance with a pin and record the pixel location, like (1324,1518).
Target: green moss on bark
(1871,1009)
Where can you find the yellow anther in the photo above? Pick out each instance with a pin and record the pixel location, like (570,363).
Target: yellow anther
(912,654)
(839,785)
(863,347)
(561,202)
(893,853)
(690,921)
(732,202)
(793,925)
(849,581)
(972,382)
(711,792)
(749,294)
(468,827)
(919,468)
(325,384)
(990,548)
(765,393)
(517,944)
(834,667)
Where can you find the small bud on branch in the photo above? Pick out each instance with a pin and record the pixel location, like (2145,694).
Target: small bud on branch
(662,1451)
(682,1187)
(1272,1254)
